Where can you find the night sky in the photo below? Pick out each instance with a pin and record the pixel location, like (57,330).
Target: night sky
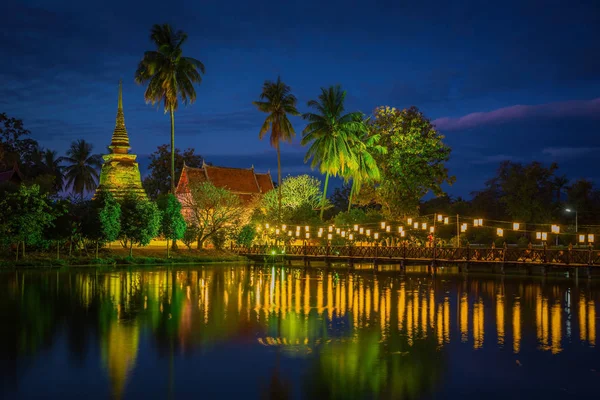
(514,80)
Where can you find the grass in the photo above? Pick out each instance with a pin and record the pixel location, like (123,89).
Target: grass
(119,256)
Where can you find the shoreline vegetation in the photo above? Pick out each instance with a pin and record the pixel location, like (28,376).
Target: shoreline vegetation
(119,257)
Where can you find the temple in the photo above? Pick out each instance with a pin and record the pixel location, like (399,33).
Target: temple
(243,182)
(120,173)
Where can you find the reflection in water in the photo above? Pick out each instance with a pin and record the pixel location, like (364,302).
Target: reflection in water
(382,335)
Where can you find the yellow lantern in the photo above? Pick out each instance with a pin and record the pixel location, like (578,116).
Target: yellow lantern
(431,229)
(320,234)
(376,235)
(409,221)
(516,226)
(306,228)
(297,233)
(351,237)
(555,229)
(337,231)
(446,220)
(463,228)
(267,226)
(283,227)
(289,233)
(343,233)
(402,234)
(330,228)
(500,232)
(424,225)
(400,229)
(416,225)
(544,235)
(388,228)
(591,238)
(307,235)
(368,232)
(383,225)
(538,235)
(355,228)
(581,238)
(329,236)
(277,231)
(361,230)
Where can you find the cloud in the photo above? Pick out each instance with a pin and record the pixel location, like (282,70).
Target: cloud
(568,152)
(573,108)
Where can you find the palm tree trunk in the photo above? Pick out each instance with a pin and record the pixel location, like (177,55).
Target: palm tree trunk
(172,150)
(324,195)
(351,195)
(279,181)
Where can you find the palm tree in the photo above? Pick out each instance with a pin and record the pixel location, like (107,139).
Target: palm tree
(81,173)
(169,75)
(331,134)
(559,184)
(365,146)
(278,102)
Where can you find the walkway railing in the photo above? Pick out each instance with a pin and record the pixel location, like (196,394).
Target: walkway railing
(584,257)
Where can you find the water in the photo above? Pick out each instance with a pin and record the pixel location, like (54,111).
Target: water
(233,331)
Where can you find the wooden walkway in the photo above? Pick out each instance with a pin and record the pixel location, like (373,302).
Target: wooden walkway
(408,254)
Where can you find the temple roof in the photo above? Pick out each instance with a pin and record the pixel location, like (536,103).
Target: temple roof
(12,175)
(242,181)
(120,139)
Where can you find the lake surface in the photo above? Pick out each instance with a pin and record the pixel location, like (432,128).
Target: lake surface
(272,332)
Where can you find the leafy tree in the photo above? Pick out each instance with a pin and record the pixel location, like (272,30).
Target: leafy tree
(63,225)
(172,224)
(414,164)
(190,235)
(15,144)
(246,236)
(341,198)
(81,172)
(366,147)
(159,180)
(526,191)
(140,221)
(330,133)
(102,222)
(277,101)
(45,163)
(169,76)
(25,215)
(212,209)
(301,195)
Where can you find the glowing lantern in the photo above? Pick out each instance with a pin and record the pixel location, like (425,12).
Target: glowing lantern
(267,226)
(283,227)
(355,228)
(544,235)
(330,228)
(500,232)
(416,225)
(368,232)
(402,234)
(277,231)
(446,220)
(581,238)
(555,229)
(289,233)
(538,235)
(409,221)
(343,233)
(320,234)
(424,225)
(297,233)
(591,238)
(338,231)
(361,230)
(376,235)
(440,217)
(463,228)
(307,235)
(478,222)
(400,229)
(383,225)
(351,237)
(516,226)
(431,229)
(306,228)
(329,236)
(388,228)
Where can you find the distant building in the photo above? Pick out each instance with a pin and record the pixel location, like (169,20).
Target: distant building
(120,173)
(243,182)
(12,176)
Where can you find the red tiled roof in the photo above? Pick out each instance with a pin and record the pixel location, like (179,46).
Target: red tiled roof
(234,179)
(265,182)
(244,182)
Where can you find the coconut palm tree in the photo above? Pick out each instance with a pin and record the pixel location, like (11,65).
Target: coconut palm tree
(81,172)
(331,133)
(365,146)
(170,76)
(278,101)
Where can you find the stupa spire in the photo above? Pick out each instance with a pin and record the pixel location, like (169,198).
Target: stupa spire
(120,139)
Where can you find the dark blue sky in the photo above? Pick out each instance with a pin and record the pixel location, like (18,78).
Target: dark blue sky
(502,80)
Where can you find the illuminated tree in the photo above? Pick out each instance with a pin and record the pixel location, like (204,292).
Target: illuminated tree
(330,133)
(212,210)
(170,76)
(81,172)
(140,222)
(414,164)
(366,147)
(278,101)
(172,224)
(25,215)
(102,222)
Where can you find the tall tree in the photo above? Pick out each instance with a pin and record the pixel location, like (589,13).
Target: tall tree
(140,222)
(45,162)
(170,76)
(159,179)
(15,144)
(81,172)
(413,165)
(366,147)
(560,182)
(172,224)
(277,100)
(330,133)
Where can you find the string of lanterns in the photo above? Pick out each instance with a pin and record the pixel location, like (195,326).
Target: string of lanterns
(379,230)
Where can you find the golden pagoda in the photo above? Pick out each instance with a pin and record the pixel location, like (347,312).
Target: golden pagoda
(120,173)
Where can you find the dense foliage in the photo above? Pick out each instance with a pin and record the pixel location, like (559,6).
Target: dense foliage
(158,180)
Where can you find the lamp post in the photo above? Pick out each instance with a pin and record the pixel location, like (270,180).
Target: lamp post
(575,211)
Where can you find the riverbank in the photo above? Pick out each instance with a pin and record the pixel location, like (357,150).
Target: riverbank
(118,256)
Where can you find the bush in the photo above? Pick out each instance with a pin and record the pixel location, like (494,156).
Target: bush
(246,236)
